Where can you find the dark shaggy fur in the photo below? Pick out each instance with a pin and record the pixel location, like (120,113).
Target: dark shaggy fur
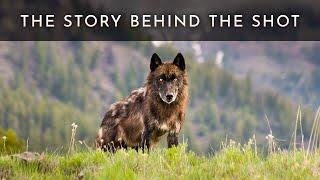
(149,112)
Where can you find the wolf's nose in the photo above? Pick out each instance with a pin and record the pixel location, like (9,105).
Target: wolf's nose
(169,97)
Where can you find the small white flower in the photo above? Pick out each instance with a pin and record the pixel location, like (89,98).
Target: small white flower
(269,137)
(74,125)
(4,137)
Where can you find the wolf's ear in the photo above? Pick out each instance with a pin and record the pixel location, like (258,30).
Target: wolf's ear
(179,61)
(155,62)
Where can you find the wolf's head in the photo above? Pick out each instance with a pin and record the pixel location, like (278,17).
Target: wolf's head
(167,78)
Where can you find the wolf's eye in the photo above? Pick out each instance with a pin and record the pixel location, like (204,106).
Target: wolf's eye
(160,79)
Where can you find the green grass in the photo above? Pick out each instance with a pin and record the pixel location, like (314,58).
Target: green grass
(232,162)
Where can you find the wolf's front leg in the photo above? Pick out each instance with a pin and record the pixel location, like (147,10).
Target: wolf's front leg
(172,139)
(146,138)
(150,125)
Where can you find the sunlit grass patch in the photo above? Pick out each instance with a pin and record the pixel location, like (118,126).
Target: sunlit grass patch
(233,161)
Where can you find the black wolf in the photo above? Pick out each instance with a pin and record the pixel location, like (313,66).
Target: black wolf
(149,112)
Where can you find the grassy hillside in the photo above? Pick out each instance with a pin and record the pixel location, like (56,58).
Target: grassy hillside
(232,162)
